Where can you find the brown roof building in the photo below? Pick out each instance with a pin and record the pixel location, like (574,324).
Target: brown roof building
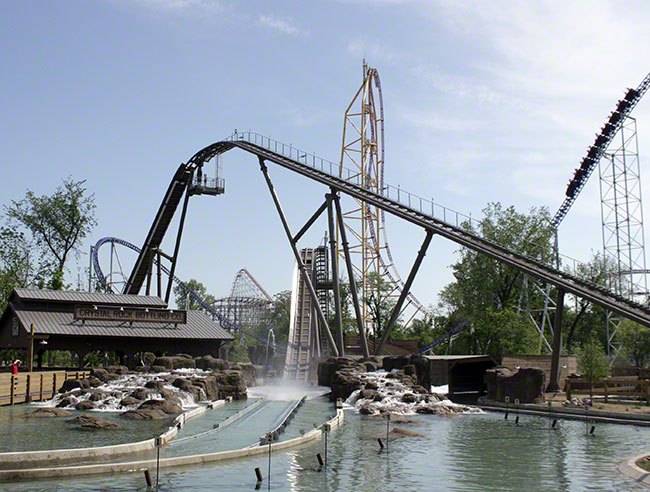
(87,321)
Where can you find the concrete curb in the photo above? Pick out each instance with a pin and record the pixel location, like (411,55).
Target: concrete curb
(36,458)
(139,466)
(571,413)
(630,469)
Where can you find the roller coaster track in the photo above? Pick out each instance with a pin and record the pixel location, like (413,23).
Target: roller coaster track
(443,338)
(600,145)
(224,321)
(326,173)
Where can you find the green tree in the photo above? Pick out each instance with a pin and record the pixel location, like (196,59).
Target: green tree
(238,350)
(593,363)
(502,332)
(380,304)
(589,319)
(421,330)
(489,293)
(20,264)
(279,316)
(58,223)
(483,281)
(181,298)
(635,342)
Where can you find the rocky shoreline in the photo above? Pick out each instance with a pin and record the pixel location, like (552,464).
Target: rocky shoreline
(158,391)
(378,385)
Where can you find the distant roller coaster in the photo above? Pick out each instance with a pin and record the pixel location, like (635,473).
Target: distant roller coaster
(227,311)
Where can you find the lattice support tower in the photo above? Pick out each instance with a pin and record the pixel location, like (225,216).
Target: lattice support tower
(622,223)
(363,151)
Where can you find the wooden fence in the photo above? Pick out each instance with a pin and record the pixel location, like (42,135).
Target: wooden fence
(620,386)
(34,386)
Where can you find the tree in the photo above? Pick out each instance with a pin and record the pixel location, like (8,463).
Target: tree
(502,332)
(489,293)
(58,223)
(238,350)
(20,265)
(484,281)
(181,297)
(380,304)
(279,316)
(421,330)
(589,318)
(635,342)
(593,363)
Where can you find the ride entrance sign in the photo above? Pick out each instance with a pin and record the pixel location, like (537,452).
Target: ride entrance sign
(129,314)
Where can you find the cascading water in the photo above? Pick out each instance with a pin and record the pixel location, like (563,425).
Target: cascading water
(383,394)
(110,396)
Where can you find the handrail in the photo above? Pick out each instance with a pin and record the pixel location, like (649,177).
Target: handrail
(566,282)
(422,205)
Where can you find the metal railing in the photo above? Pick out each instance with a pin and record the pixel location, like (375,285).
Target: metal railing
(420,204)
(212,183)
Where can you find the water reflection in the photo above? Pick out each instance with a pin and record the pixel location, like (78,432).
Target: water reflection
(466,453)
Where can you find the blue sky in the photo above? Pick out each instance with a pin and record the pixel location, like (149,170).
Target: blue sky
(484,101)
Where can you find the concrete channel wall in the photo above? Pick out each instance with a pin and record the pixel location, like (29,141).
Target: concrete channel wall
(27,459)
(571,413)
(139,466)
(630,468)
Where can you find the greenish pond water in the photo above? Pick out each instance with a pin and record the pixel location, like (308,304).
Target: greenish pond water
(18,432)
(465,453)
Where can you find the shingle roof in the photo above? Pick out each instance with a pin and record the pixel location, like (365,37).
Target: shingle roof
(199,326)
(87,297)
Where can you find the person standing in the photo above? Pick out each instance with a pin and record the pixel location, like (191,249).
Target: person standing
(15,366)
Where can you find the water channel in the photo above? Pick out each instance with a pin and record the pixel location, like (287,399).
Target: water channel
(470,452)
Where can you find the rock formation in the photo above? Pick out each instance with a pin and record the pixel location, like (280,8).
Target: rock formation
(526,385)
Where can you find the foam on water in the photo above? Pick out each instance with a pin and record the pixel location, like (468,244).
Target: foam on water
(119,389)
(442,390)
(392,392)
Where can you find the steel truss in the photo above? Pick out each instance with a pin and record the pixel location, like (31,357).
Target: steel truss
(414,210)
(622,215)
(622,224)
(615,200)
(264,149)
(362,151)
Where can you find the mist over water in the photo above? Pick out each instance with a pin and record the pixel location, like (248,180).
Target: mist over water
(284,390)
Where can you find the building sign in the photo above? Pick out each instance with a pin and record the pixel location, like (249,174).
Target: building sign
(129,314)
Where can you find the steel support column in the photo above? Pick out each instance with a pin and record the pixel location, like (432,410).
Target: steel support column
(335,275)
(296,254)
(159,272)
(353,283)
(178,241)
(309,223)
(149,275)
(553,384)
(405,290)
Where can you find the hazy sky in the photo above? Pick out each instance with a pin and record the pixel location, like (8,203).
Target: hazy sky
(484,101)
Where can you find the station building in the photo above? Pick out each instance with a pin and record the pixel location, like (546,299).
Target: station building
(38,320)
